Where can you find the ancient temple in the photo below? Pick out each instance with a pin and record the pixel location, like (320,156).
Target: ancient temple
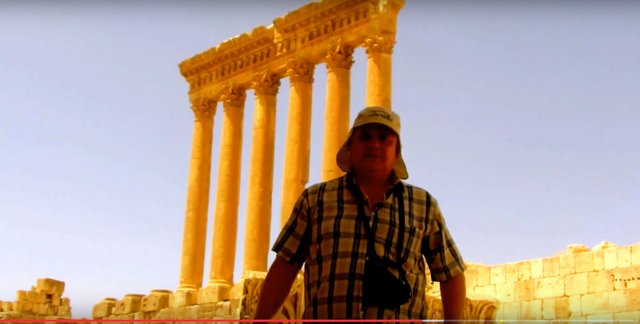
(325,32)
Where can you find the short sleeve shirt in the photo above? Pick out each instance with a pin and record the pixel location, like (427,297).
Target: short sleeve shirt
(325,233)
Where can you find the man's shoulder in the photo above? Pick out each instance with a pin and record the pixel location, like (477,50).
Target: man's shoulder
(329,185)
(415,189)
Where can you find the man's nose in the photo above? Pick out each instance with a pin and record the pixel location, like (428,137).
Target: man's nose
(375,142)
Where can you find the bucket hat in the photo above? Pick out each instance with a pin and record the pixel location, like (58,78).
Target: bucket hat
(374,115)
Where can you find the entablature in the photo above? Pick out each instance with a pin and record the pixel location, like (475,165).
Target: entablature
(305,33)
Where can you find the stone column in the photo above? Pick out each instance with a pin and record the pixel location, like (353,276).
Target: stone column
(298,139)
(260,188)
(225,224)
(379,49)
(195,220)
(336,117)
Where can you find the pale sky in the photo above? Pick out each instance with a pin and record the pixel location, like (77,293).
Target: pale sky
(520,117)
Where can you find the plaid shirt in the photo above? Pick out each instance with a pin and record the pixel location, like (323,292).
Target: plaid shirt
(326,235)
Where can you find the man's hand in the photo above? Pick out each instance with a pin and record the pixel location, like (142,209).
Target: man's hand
(454,296)
(275,287)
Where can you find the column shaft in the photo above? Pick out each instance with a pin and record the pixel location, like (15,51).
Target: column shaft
(227,196)
(379,49)
(336,116)
(258,223)
(298,137)
(195,221)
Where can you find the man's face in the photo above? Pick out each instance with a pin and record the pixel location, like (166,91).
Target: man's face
(373,149)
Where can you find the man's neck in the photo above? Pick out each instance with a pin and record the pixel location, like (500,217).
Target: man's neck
(374,186)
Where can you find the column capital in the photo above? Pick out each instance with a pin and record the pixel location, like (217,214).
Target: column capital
(233,96)
(300,70)
(379,43)
(266,83)
(203,107)
(339,55)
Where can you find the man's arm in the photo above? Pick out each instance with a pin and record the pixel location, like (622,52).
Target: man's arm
(453,293)
(275,287)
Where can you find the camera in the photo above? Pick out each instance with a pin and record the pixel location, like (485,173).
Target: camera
(381,287)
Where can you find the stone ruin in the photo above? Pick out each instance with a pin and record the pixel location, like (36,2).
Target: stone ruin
(579,284)
(43,301)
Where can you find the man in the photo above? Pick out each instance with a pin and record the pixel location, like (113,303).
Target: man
(333,223)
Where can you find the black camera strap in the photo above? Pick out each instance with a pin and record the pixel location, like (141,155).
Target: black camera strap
(371,252)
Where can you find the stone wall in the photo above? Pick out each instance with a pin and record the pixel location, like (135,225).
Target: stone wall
(580,284)
(43,301)
(167,305)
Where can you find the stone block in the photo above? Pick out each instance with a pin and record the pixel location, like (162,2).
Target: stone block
(470,277)
(524,290)
(575,306)
(52,310)
(65,301)
(567,264)
(21,295)
(576,284)
(618,302)
(511,273)
(549,308)
(183,297)
(595,303)
(600,318)
(240,288)
(40,309)
(505,292)
(50,286)
(7,306)
(55,300)
(551,267)
(129,304)
(124,318)
(223,309)
(610,258)
(213,293)
(537,268)
(562,309)
(635,255)
(157,300)
(531,310)
(598,260)
(235,305)
(624,257)
(497,274)
(486,291)
(499,313)
(584,262)
(22,306)
(64,311)
(549,287)
(484,275)
(524,270)
(627,316)
(576,248)
(626,278)
(104,308)
(511,311)
(36,297)
(600,281)
(632,297)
